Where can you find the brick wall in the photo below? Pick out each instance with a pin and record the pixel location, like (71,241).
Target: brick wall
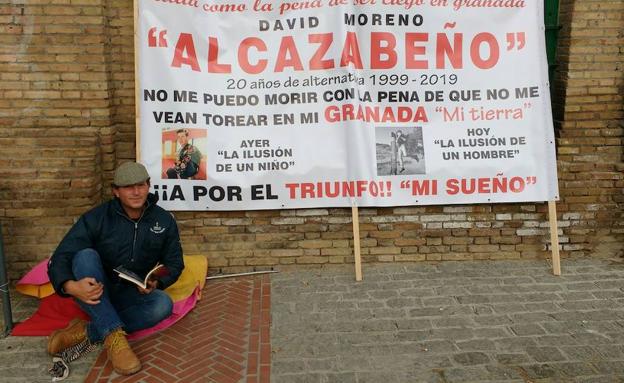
(67,118)
(589,108)
(54,107)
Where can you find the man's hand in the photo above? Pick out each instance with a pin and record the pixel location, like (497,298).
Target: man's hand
(152,285)
(87,290)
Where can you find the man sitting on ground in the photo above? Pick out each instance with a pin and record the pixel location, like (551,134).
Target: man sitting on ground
(130,231)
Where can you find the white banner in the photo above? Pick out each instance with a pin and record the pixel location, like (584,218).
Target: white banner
(297,104)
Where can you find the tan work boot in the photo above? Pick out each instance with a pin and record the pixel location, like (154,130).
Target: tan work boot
(74,333)
(123,359)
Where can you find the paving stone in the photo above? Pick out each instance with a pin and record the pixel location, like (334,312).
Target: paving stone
(502,373)
(608,294)
(581,353)
(439,346)
(482,310)
(531,317)
(507,308)
(418,293)
(575,296)
(577,305)
(456,334)
(476,344)
(424,362)
(467,374)
(298,378)
(366,305)
(446,291)
(438,301)
(493,320)
(345,377)
(599,379)
(538,371)
(538,297)
(491,332)
(327,364)
(472,299)
(562,327)
(610,351)
(545,354)
(591,338)
(413,324)
(413,336)
(527,329)
(382,294)
(354,363)
(402,302)
(609,367)
(471,358)
(573,370)
(512,359)
(400,285)
(560,340)
(515,344)
(545,307)
(388,313)
(439,311)
(377,377)
(455,321)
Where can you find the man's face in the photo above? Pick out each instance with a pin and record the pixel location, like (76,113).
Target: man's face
(132,197)
(182,139)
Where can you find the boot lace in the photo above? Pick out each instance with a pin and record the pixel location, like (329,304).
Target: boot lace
(117,342)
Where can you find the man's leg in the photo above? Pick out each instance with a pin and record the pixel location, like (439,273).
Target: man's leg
(105,325)
(104,317)
(402,154)
(140,311)
(86,263)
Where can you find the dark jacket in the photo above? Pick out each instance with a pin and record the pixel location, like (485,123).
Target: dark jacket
(119,240)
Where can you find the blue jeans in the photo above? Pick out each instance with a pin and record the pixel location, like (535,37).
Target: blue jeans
(121,304)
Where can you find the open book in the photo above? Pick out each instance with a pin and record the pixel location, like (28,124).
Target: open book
(137,279)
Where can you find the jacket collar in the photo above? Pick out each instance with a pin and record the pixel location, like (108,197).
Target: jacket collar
(152,199)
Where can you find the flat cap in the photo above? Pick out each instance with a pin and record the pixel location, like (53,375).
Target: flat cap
(130,173)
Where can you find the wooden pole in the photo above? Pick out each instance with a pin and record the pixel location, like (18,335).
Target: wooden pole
(356,242)
(137,85)
(554,237)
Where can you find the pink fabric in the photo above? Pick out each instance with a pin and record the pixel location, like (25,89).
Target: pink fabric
(180,309)
(38,275)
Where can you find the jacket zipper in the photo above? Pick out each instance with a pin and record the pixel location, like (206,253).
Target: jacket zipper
(136,227)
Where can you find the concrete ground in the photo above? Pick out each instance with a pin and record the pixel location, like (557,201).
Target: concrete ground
(24,359)
(486,321)
(508,321)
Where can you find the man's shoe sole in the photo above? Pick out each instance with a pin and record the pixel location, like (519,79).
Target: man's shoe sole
(129,371)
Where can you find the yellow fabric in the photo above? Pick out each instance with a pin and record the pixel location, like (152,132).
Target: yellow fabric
(193,275)
(37,291)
